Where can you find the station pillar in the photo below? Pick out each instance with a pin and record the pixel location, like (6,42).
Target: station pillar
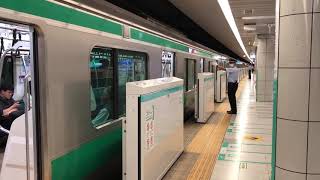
(298,90)
(265,67)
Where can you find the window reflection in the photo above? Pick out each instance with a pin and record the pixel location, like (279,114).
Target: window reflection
(101,90)
(108,87)
(191,75)
(131,67)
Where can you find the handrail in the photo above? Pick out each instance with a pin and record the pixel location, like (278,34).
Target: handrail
(14,47)
(24,65)
(26,109)
(23,62)
(4,130)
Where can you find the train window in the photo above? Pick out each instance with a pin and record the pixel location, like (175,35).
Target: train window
(111,69)
(7,70)
(210,66)
(101,90)
(167,62)
(202,64)
(132,66)
(191,74)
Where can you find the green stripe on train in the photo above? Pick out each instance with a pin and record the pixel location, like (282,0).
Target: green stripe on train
(61,13)
(150,38)
(88,158)
(153,39)
(57,12)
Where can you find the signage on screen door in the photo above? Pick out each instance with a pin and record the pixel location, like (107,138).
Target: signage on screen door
(149,128)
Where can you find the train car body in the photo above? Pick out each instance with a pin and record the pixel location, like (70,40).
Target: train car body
(67,144)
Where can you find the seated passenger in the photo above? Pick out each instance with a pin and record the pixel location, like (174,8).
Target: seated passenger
(9,108)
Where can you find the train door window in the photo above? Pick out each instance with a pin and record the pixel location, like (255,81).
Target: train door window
(190,74)
(132,66)
(214,68)
(101,90)
(7,70)
(206,65)
(167,62)
(202,64)
(210,66)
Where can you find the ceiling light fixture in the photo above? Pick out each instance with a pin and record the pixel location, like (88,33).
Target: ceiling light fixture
(225,7)
(249,27)
(258,17)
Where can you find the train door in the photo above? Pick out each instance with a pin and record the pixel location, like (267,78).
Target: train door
(18,130)
(210,66)
(191,75)
(190,87)
(167,64)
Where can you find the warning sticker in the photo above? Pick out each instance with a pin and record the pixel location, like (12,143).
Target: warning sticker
(253,138)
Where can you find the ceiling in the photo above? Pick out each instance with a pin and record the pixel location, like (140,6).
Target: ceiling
(208,15)
(258,16)
(203,21)
(161,13)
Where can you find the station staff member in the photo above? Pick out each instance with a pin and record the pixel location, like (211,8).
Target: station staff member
(233,76)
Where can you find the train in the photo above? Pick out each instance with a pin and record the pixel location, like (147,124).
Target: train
(70,62)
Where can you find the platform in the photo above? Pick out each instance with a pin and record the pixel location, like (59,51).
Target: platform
(229,147)
(247,147)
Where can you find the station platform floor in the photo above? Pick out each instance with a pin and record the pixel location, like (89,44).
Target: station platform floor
(229,147)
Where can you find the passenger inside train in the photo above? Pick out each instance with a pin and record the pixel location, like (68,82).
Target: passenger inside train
(9,108)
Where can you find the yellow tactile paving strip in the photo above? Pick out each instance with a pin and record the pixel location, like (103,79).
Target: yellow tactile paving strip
(202,145)
(203,167)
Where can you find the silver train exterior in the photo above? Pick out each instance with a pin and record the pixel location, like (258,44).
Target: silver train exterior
(68,147)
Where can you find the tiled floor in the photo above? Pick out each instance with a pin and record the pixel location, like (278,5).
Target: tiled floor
(246,140)
(202,145)
(247,146)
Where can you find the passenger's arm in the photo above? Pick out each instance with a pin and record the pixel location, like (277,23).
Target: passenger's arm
(8,111)
(16,114)
(13,108)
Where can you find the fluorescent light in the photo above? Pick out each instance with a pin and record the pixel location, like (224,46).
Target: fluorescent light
(258,17)
(225,7)
(249,27)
